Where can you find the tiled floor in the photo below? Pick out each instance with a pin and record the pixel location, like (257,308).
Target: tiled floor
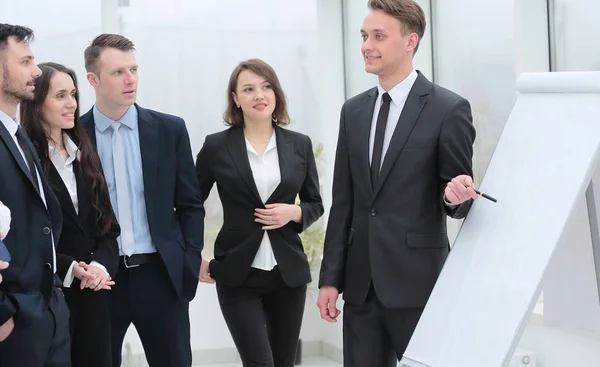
(308,362)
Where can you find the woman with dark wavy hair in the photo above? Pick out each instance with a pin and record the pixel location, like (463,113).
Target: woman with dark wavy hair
(87,252)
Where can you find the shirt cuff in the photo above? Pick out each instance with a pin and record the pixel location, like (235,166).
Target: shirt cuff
(448,204)
(100,266)
(69,277)
(5,219)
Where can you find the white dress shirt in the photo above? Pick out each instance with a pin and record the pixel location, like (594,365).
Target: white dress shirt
(65,171)
(12,127)
(267,177)
(399,93)
(4,221)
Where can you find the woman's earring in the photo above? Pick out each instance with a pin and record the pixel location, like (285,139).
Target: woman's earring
(274,118)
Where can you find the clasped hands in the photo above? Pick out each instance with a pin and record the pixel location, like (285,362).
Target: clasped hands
(92,277)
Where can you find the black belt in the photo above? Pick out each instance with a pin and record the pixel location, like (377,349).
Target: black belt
(139,259)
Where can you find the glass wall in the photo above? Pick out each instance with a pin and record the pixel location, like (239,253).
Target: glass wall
(575,33)
(187,49)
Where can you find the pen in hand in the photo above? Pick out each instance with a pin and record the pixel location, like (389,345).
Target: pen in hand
(485,196)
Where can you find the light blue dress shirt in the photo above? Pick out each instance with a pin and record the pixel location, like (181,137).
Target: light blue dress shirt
(135,178)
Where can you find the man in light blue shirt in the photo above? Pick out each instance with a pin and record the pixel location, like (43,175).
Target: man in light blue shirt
(148,164)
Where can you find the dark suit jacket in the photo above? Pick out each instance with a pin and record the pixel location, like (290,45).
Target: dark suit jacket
(173,204)
(395,233)
(224,160)
(80,239)
(28,282)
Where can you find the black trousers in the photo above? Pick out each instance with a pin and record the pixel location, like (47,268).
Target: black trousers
(42,344)
(144,296)
(377,336)
(264,317)
(89,326)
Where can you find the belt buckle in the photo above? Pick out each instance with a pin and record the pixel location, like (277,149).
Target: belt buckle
(127,265)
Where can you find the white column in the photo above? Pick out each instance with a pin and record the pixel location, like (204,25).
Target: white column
(110,16)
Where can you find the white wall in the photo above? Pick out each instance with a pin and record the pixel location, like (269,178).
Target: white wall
(558,347)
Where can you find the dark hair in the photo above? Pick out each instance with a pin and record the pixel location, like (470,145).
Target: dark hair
(89,163)
(234,116)
(408,12)
(22,34)
(105,40)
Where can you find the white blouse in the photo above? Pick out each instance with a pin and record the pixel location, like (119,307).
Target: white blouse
(267,177)
(65,167)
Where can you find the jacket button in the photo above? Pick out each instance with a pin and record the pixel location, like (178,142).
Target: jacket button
(46,230)
(48,265)
(373,212)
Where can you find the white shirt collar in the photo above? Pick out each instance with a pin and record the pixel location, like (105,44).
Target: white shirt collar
(271,145)
(70,146)
(400,90)
(10,124)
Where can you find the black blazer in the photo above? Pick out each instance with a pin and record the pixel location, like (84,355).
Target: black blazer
(27,285)
(173,204)
(80,239)
(394,234)
(224,159)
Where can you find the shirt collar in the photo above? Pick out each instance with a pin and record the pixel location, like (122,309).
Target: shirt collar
(103,122)
(272,144)
(400,90)
(10,124)
(70,146)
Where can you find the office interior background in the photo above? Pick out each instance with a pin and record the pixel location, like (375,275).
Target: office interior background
(187,49)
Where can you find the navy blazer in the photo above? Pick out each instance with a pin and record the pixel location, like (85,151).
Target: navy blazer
(27,285)
(173,203)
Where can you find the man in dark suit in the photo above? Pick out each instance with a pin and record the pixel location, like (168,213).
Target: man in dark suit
(149,169)
(403,163)
(34,319)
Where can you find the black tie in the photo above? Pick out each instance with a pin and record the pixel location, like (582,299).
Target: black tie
(22,139)
(379,135)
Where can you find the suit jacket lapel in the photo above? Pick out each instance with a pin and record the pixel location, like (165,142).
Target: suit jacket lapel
(285,153)
(83,194)
(12,146)
(364,118)
(416,100)
(149,147)
(239,155)
(62,194)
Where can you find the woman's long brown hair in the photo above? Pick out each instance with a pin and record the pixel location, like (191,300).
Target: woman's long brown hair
(89,164)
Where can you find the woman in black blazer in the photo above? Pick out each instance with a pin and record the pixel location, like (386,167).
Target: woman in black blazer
(260,267)
(87,251)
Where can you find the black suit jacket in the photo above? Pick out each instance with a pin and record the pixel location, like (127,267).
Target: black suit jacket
(27,285)
(173,204)
(224,159)
(80,239)
(394,234)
